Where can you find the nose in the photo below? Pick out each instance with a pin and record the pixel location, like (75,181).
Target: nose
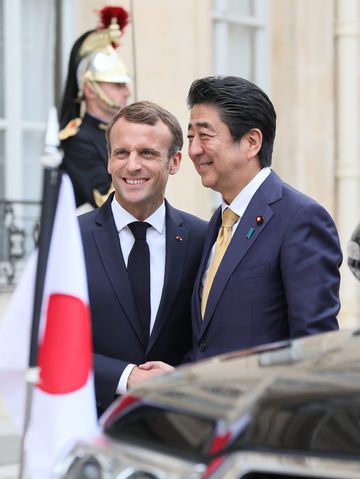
(123,94)
(195,148)
(133,162)
(127,91)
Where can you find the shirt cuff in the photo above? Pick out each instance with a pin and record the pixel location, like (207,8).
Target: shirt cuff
(122,385)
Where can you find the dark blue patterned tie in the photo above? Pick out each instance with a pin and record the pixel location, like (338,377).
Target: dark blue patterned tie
(139,272)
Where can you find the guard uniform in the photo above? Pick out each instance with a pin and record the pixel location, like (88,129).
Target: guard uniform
(94,60)
(85,159)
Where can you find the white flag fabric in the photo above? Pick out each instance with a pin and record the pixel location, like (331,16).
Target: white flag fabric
(63,404)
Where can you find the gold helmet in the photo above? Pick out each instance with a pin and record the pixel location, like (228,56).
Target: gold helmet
(95,58)
(99,59)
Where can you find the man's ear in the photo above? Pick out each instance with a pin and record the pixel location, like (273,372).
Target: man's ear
(255,138)
(175,161)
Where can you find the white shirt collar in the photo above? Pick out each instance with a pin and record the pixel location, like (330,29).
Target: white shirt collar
(122,217)
(242,200)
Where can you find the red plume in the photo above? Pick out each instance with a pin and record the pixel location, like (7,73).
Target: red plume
(107,13)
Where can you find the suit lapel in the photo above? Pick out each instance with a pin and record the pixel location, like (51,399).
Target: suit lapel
(107,240)
(211,236)
(247,232)
(177,238)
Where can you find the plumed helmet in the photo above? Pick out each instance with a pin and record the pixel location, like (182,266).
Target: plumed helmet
(99,60)
(354,252)
(95,57)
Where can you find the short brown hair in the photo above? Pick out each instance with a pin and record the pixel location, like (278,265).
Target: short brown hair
(149,113)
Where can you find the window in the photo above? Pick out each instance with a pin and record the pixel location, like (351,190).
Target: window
(240,44)
(28,36)
(240,39)
(27,40)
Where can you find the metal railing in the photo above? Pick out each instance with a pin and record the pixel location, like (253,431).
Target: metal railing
(19,231)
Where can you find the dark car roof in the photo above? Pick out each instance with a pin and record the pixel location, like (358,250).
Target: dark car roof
(300,395)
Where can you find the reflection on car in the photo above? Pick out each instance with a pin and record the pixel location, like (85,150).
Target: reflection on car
(353,248)
(286,410)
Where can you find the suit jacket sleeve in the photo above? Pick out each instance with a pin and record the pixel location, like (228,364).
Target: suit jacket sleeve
(310,261)
(107,377)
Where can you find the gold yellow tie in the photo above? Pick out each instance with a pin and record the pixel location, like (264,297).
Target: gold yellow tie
(222,242)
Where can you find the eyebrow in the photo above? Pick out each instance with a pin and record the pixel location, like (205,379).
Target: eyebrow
(201,124)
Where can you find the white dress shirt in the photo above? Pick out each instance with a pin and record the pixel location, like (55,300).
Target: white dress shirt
(238,206)
(156,239)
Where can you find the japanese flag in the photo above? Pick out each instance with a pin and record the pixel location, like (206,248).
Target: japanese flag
(63,401)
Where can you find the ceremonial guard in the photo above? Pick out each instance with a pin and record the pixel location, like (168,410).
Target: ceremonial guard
(96,87)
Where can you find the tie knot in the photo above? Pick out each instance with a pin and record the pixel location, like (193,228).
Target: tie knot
(229,218)
(138,229)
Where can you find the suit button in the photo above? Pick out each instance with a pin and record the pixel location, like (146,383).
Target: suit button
(202,347)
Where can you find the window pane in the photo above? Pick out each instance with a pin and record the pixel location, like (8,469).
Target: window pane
(38,46)
(2,196)
(2,107)
(241,7)
(235,7)
(2,164)
(33,146)
(241,51)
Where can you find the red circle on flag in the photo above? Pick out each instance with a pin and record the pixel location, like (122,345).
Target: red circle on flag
(65,357)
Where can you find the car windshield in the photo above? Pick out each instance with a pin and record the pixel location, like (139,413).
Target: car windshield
(164,430)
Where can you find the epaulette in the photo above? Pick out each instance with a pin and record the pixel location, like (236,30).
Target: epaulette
(99,198)
(102,126)
(71,129)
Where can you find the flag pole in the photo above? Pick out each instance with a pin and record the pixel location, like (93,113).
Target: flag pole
(51,186)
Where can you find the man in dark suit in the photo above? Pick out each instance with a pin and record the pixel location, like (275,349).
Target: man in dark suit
(279,276)
(144,143)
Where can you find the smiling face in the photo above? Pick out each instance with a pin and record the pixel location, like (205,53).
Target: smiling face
(224,166)
(139,164)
